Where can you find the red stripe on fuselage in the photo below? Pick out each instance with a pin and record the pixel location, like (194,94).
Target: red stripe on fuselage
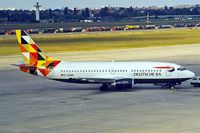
(164,67)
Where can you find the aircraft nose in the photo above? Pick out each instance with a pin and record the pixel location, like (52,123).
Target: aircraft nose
(191,74)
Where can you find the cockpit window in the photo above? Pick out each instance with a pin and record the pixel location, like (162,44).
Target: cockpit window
(181,69)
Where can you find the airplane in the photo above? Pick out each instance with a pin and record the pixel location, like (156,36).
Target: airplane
(118,75)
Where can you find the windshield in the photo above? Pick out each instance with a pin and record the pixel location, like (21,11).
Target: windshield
(181,69)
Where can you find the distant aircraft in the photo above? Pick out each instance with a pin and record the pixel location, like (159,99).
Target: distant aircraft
(119,75)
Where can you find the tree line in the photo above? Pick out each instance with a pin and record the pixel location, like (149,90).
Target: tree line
(103,14)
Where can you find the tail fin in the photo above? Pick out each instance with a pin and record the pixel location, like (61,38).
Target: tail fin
(33,56)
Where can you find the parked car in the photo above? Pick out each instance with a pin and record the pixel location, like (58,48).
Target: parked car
(34,31)
(117,28)
(76,29)
(150,26)
(104,29)
(49,30)
(179,25)
(132,27)
(92,29)
(195,81)
(59,30)
(165,26)
(197,25)
(2,32)
(10,32)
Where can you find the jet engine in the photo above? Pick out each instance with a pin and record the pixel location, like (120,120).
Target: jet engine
(123,83)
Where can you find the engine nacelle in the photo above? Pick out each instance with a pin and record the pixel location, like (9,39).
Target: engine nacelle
(123,83)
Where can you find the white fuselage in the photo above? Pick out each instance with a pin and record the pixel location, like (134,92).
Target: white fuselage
(100,72)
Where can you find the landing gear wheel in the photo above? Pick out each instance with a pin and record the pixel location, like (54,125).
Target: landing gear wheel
(104,87)
(172,87)
(169,85)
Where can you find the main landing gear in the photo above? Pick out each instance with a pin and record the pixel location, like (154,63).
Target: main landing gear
(109,87)
(104,87)
(169,85)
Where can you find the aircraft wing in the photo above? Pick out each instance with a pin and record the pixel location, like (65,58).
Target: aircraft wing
(100,80)
(97,80)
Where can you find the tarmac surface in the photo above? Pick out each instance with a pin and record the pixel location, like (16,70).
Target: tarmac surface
(30,104)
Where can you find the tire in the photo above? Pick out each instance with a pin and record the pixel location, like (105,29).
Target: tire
(195,85)
(104,87)
(172,88)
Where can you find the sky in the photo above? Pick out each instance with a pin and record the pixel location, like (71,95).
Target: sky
(46,4)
